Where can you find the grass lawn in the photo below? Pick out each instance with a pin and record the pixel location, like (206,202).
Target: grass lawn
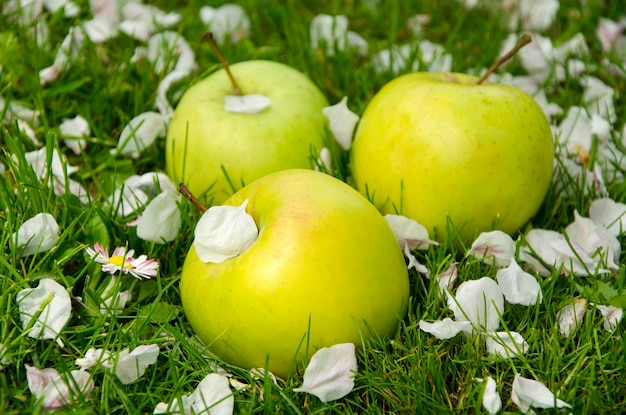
(107,84)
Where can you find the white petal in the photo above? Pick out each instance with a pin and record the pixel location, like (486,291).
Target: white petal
(161,101)
(224,232)
(571,316)
(444,329)
(170,51)
(55,389)
(246,104)
(599,98)
(213,392)
(227,22)
(126,200)
(73,130)
(38,379)
(70,9)
(51,303)
(612,316)
(409,231)
(161,219)
(141,132)
(491,399)
(528,393)
(38,234)
(330,373)
(329,31)
(610,214)
(115,303)
(99,29)
(70,48)
(4,358)
(518,286)
(341,122)
(495,247)
(138,29)
(93,357)
(480,302)
(131,366)
(506,344)
(148,182)
(413,262)
(447,279)
(595,240)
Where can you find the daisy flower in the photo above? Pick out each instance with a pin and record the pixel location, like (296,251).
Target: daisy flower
(123,260)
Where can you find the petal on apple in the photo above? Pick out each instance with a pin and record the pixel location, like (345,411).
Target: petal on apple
(131,366)
(224,232)
(409,232)
(611,315)
(479,301)
(518,286)
(161,219)
(610,214)
(213,392)
(246,104)
(444,329)
(491,399)
(528,393)
(342,122)
(330,373)
(495,248)
(571,316)
(50,302)
(506,344)
(38,234)
(141,132)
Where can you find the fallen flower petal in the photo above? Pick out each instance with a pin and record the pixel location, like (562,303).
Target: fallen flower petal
(491,399)
(227,22)
(332,32)
(595,240)
(447,279)
(130,366)
(213,395)
(444,329)
(518,286)
(528,393)
(330,373)
(93,357)
(141,132)
(246,104)
(479,301)
(409,232)
(342,122)
(57,390)
(69,49)
(73,130)
(161,219)
(224,232)
(495,248)
(38,234)
(571,316)
(612,316)
(610,214)
(51,303)
(506,344)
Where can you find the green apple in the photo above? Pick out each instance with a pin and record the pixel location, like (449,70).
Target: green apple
(441,148)
(205,141)
(325,269)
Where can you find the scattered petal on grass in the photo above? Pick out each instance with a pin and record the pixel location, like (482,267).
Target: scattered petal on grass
(246,104)
(115,303)
(93,357)
(126,200)
(518,286)
(142,20)
(495,247)
(595,240)
(73,130)
(130,366)
(5,359)
(610,214)
(212,396)
(444,329)
(395,59)
(38,234)
(161,219)
(409,232)
(505,344)
(599,98)
(611,315)
(479,301)
(491,399)
(532,14)
(528,393)
(123,260)
(332,33)
(229,22)
(56,390)
(571,316)
(330,373)
(224,232)
(70,49)
(325,161)
(341,122)
(70,9)
(168,51)
(50,304)
(161,102)
(447,279)
(141,132)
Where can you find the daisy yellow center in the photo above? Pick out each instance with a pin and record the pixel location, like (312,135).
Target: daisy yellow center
(117,260)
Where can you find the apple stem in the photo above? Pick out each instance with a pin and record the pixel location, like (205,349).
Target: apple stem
(189,196)
(524,40)
(208,36)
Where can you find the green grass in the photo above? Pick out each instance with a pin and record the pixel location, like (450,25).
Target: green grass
(411,373)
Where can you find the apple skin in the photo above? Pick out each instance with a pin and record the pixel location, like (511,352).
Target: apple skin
(325,260)
(434,146)
(202,136)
